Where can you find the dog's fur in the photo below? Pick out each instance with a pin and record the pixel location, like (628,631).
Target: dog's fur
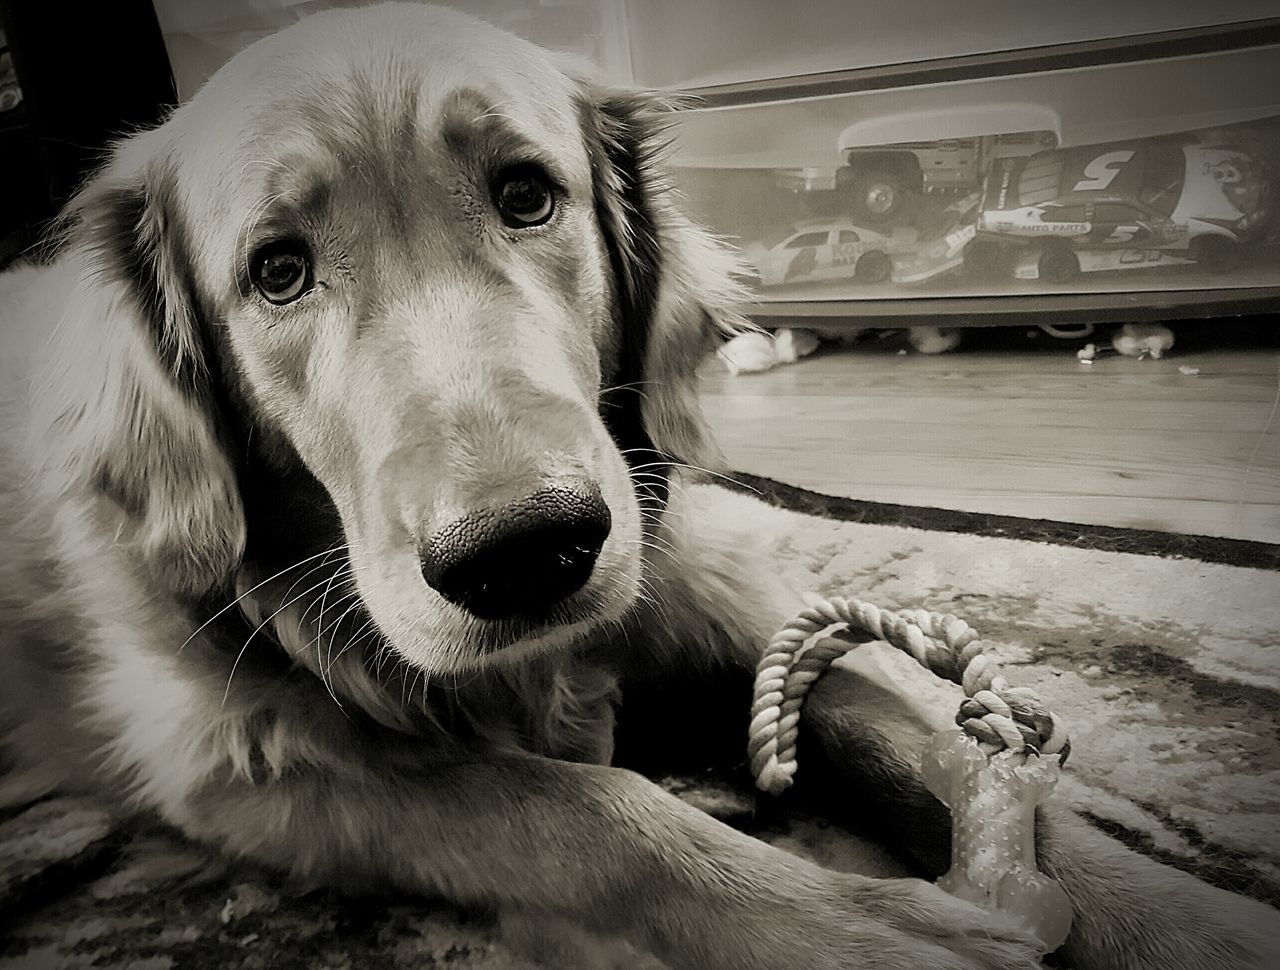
(211,601)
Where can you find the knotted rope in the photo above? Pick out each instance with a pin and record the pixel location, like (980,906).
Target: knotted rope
(996,715)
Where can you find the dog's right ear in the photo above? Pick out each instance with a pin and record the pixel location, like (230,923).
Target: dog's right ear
(127,396)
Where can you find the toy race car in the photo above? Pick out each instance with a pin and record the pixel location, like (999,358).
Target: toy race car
(828,249)
(944,238)
(1123,206)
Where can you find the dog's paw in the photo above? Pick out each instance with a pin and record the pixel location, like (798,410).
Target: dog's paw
(1197,928)
(934,929)
(1211,929)
(839,921)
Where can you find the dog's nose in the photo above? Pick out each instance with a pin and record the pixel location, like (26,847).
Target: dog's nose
(520,558)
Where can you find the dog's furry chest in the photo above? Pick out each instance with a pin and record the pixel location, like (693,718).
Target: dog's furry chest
(561,710)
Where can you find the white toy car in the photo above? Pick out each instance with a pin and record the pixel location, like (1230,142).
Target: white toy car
(828,249)
(1124,206)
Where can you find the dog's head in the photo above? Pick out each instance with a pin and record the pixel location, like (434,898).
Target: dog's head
(397,287)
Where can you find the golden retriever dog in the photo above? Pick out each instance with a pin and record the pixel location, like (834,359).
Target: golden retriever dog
(346,440)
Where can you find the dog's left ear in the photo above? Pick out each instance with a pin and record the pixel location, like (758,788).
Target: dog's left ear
(676,286)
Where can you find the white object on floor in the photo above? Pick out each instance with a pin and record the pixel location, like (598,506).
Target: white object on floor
(748,352)
(1143,340)
(757,351)
(934,340)
(791,345)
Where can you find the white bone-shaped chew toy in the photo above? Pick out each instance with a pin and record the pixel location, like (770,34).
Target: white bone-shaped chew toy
(992,774)
(993,848)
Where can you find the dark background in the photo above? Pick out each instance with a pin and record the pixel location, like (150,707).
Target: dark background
(88,73)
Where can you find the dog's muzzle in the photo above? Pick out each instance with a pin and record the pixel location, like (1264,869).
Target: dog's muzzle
(519,559)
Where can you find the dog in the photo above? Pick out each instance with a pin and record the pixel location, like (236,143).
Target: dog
(346,441)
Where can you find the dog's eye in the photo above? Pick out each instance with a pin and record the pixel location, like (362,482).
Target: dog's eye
(281,271)
(524,197)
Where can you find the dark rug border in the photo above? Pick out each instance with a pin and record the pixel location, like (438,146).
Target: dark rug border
(1143,542)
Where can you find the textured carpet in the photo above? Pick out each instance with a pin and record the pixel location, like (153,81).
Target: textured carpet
(1161,652)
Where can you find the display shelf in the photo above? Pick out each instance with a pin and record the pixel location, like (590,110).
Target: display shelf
(1261,276)
(1021,309)
(1117,50)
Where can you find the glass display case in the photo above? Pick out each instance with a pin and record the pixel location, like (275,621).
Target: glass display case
(1152,168)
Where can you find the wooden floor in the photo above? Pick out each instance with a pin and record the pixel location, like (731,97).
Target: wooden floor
(1014,425)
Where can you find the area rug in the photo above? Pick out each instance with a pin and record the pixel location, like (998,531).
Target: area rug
(1163,653)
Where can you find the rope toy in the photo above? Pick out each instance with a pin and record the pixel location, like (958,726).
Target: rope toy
(984,772)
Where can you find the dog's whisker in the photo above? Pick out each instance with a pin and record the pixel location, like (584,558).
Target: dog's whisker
(363,642)
(702,470)
(656,512)
(321,628)
(645,592)
(286,601)
(655,507)
(341,574)
(327,663)
(383,653)
(333,636)
(658,502)
(641,484)
(310,572)
(669,553)
(324,582)
(252,589)
(623,387)
(413,685)
(640,451)
(316,641)
(637,476)
(654,541)
(629,386)
(656,601)
(366,630)
(258,629)
(338,574)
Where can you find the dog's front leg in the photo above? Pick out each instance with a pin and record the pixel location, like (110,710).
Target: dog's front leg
(598,846)
(860,752)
